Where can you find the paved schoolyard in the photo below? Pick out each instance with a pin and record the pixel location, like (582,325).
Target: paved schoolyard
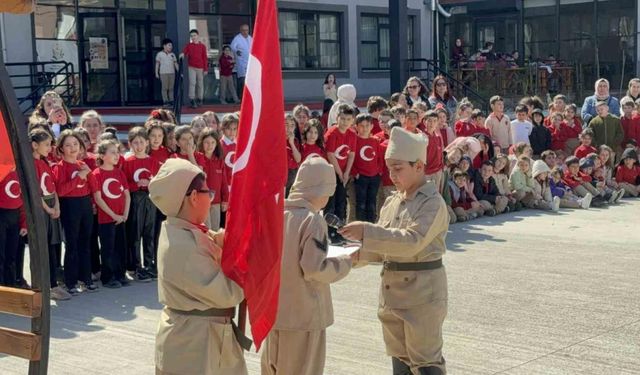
(529,293)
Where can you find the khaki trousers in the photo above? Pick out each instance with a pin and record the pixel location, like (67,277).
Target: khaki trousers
(500,206)
(228,89)
(213,219)
(414,335)
(294,353)
(569,203)
(167,81)
(196,83)
(629,190)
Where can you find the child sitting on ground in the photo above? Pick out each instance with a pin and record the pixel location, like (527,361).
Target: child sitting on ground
(560,190)
(487,192)
(522,185)
(577,182)
(628,173)
(586,166)
(542,187)
(463,203)
(585,148)
(501,176)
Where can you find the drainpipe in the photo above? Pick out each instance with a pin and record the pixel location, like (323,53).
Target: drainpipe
(3,40)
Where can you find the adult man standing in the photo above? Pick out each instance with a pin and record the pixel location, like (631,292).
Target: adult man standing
(196,53)
(409,239)
(241,46)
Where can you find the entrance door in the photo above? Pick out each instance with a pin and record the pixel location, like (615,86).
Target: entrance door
(99,59)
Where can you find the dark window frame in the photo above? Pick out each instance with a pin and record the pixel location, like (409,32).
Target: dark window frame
(411,39)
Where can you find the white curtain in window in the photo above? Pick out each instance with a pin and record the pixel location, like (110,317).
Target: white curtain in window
(288,25)
(328,27)
(290,54)
(329,55)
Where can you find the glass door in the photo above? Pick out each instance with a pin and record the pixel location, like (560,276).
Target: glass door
(99,59)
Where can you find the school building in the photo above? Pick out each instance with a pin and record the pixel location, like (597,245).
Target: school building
(102,52)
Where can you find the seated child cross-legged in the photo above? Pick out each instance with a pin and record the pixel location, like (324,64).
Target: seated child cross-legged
(501,177)
(560,190)
(463,203)
(542,187)
(628,173)
(586,166)
(577,182)
(522,185)
(487,192)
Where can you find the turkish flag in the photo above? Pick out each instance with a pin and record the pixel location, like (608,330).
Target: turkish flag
(253,239)
(7,163)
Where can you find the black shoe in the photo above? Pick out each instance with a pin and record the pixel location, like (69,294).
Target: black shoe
(194,104)
(113,284)
(399,367)
(90,287)
(74,291)
(124,282)
(142,276)
(152,272)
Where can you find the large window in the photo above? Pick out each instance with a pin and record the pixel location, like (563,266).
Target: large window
(309,40)
(374,41)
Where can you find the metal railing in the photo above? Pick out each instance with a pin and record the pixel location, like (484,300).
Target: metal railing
(58,76)
(429,69)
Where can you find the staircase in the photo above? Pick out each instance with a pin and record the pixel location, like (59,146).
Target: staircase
(32,79)
(427,70)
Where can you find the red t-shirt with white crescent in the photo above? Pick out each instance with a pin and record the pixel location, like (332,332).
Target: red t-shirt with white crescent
(45,177)
(160,155)
(368,157)
(136,169)
(229,151)
(291,162)
(68,183)
(111,185)
(340,144)
(312,150)
(10,193)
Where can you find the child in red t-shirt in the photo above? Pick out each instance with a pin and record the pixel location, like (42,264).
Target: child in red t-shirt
(72,178)
(628,173)
(313,142)
(139,168)
(157,142)
(434,167)
(478,119)
(213,167)
(574,127)
(41,147)
(227,85)
(375,106)
(559,132)
(630,121)
(340,143)
(367,169)
(294,157)
(111,193)
(464,127)
(186,146)
(585,147)
(412,121)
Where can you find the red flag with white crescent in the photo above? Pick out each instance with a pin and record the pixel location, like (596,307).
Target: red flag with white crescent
(7,163)
(253,239)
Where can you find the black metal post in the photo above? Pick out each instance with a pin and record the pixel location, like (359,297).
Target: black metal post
(398,43)
(178,30)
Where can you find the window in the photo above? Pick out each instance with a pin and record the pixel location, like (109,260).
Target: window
(52,22)
(220,6)
(309,40)
(375,41)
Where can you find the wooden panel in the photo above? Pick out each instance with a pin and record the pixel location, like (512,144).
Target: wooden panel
(22,302)
(20,344)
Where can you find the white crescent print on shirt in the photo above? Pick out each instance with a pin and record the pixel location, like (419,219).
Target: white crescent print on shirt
(43,184)
(313,155)
(7,189)
(228,158)
(138,172)
(338,152)
(363,153)
(80,185)
(107,193)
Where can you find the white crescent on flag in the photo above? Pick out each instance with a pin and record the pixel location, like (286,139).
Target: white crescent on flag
(7,190)
(105,189)
(338,152)
(363,153)
(228,158)
(43,184)
(253,83)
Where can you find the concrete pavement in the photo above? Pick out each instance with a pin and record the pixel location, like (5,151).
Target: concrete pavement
(529,293)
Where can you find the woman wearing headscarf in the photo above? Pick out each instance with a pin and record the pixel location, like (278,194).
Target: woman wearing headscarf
(601,94)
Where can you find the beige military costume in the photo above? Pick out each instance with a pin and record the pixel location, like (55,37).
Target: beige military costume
(296,345)
(409,239)
(195,334)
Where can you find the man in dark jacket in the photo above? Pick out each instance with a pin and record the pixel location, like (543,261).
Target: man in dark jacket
(486,190)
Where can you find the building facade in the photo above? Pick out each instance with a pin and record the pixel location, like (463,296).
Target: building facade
(111,44)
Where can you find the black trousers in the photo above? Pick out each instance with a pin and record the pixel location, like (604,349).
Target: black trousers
(113,241)
(240,87)
(76,215)
(9,238)
(337,205)
(366,194)
(95,247)
(160,218)
(22,242)
(291,177)
(141,230)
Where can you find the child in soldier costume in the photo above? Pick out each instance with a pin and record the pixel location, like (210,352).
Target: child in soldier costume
(409,239)
(296,345)
(195,333)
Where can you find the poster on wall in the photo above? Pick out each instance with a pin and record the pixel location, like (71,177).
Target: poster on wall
(99,53)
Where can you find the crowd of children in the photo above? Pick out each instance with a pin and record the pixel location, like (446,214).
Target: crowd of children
(96,200)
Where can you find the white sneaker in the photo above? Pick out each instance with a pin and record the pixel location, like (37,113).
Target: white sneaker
(586,201)
(620,195)
(556,204)
(59,294)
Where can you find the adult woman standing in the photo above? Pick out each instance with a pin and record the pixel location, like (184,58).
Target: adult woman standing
(601,94)
(415,91)
(441,94)
(330,87)
(633,91)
